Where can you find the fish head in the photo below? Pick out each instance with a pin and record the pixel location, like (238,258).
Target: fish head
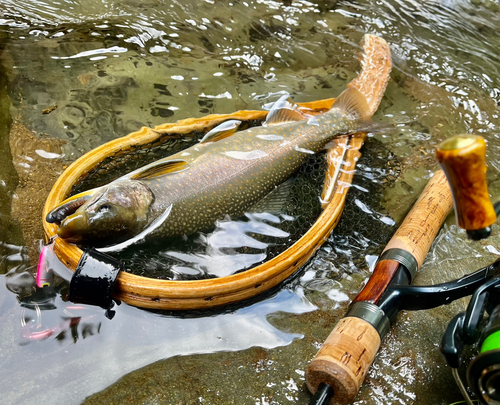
(115,213)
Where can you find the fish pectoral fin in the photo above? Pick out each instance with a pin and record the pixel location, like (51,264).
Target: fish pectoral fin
(161,168)
(285,110)
(275,201)
(221,131)
(353,103)
(69,206)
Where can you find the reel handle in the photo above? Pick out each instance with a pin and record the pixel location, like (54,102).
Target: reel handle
(462,158)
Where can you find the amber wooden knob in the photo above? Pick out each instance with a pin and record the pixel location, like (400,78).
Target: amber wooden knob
(462,158)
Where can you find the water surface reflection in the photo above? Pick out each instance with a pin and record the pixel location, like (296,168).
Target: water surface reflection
(51,336)
(101,69)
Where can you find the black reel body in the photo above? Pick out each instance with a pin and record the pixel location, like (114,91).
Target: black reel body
(483,372)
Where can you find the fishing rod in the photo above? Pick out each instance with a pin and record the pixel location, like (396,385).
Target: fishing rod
(339,368)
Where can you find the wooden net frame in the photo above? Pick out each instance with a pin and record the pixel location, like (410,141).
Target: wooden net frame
(198,294)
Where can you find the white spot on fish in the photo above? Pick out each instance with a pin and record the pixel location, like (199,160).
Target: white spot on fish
(185,154)
(271,137)
(313,121)
(299,149)
(254,154)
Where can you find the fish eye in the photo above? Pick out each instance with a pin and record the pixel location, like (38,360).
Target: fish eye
(104,208)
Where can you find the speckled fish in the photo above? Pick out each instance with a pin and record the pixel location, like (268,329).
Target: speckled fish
(225,174)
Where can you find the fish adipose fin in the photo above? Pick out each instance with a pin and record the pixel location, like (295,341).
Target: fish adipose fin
(221,131)
(352,102)
(69,206)
(161,168)
(285,110)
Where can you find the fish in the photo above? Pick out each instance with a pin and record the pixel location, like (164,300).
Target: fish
(225,174)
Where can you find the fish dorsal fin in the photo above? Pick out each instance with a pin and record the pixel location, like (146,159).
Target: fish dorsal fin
(221,131)
(69,206)
(285,110)
(161,168)
(352,102)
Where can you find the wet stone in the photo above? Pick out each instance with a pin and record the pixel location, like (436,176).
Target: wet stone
(112,68)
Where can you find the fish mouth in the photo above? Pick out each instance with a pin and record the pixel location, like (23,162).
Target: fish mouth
(72,204)
(72,228)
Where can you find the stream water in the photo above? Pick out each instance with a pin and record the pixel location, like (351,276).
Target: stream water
(77,73)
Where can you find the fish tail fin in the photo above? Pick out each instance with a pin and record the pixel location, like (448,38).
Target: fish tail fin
(373,127)
(354,104)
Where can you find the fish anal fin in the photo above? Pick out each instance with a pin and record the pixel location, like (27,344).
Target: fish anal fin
(161,168)
(353,103)
(221,131)
(275,201)
(285,110)
(69,206)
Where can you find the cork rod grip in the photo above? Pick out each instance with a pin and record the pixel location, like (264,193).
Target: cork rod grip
(462,158)
(344,359)
(348,352)
(418,230)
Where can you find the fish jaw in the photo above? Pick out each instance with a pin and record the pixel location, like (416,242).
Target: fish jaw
(70,205)
(73,227)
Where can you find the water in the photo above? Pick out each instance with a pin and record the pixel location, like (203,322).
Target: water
(110,68)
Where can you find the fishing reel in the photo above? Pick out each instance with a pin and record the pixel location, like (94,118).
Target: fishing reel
(463,160)
(483,372)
